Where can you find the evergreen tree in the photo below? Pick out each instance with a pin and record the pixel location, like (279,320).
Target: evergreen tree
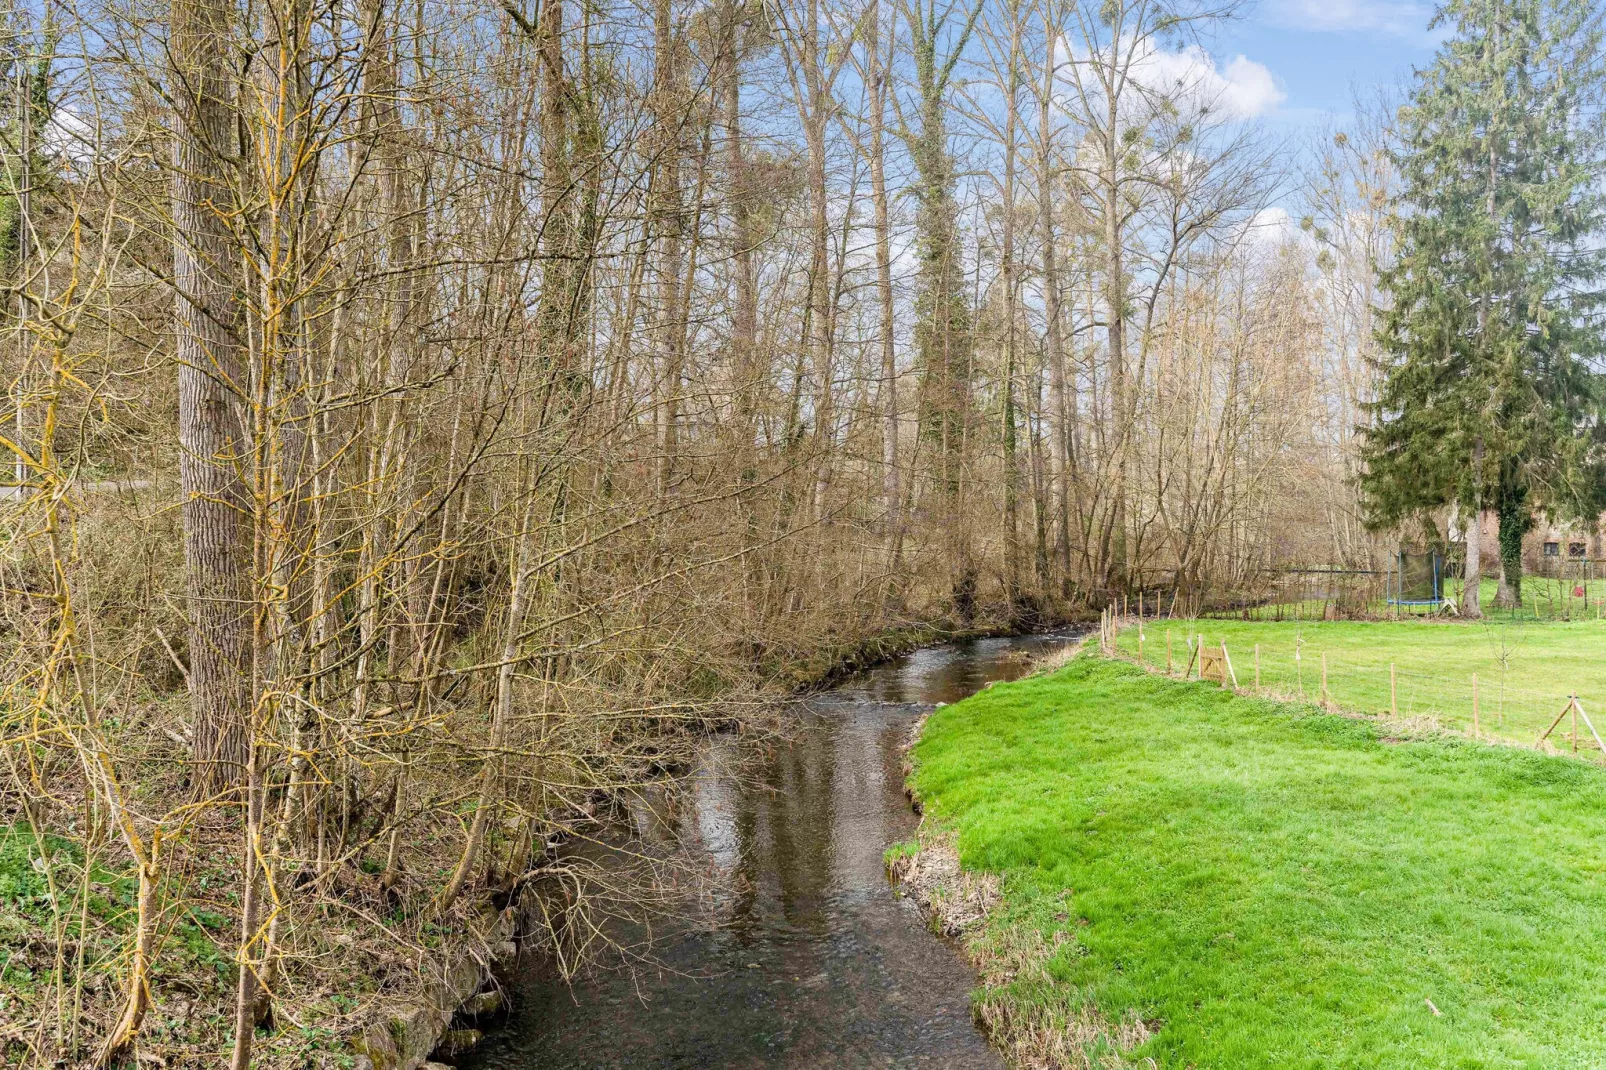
(1486,383)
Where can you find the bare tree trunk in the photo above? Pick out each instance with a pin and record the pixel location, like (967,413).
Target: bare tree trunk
(251,880)
(667,224)
(744,319)
(1471,602)
(1059,414)
(1115,298)
(502,711)
(890,491)
(1012,590)
(211,434)
(558,263)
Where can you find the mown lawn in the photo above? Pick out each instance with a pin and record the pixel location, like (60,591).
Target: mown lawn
(1271,886)
(1525,671)
(1543,598)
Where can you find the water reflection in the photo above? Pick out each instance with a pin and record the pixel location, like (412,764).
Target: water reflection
(799,956)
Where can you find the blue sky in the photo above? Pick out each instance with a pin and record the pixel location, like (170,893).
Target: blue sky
(1320,53)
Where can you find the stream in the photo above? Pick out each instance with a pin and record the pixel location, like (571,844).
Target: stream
(796,953)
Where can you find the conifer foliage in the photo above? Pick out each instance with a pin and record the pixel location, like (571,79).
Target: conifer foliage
(1487,385)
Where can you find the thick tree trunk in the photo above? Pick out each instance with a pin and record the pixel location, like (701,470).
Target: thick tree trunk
(744,319)
(667,224)
(1471,601)
(1115,564)
(1059,414)
(212,437)
(819,288)
(1012,584)
(1515,520)
(883,262)
(558,263)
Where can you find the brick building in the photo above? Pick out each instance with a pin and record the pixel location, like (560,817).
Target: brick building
(1548,546)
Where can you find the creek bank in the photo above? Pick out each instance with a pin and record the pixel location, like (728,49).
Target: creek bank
(460,983)
(1068,1034)
(959,904)
(407,1030)
(936,1014)
(833,665)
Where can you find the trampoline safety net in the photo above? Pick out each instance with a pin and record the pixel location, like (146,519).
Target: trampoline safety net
(1419,578)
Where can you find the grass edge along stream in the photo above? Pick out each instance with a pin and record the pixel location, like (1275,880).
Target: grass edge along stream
(1260,883)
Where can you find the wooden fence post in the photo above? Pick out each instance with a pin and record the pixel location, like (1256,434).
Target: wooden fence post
(1574,707)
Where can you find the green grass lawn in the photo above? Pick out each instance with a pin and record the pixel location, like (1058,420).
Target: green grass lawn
(1543,598)
(1525,671)
(1270,886)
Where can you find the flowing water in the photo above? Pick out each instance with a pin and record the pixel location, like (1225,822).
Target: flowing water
(797,953)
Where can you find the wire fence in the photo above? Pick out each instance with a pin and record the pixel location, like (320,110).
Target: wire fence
(1562,591)
(1556,719)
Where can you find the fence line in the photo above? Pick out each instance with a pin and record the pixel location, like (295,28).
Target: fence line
(1331,593)
(1487,709)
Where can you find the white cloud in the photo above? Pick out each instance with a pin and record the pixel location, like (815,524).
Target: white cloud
(1249,88)
(1271,228)
(71,138)
(1403,18)
(1243,89)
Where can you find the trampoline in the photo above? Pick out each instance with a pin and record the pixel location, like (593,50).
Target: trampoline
(1416,581)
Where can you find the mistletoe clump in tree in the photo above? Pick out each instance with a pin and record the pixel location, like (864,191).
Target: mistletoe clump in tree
(1487,386)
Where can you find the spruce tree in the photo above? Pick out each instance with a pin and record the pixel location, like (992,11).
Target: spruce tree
(1486,383)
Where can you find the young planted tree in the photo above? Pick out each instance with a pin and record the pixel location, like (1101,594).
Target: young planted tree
(1485,376)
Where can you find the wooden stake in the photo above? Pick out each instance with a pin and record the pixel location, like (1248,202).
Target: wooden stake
(1574,705)
(1564,711)
(1579,706)
(1394,705)
(1477,729)
(1228,659)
